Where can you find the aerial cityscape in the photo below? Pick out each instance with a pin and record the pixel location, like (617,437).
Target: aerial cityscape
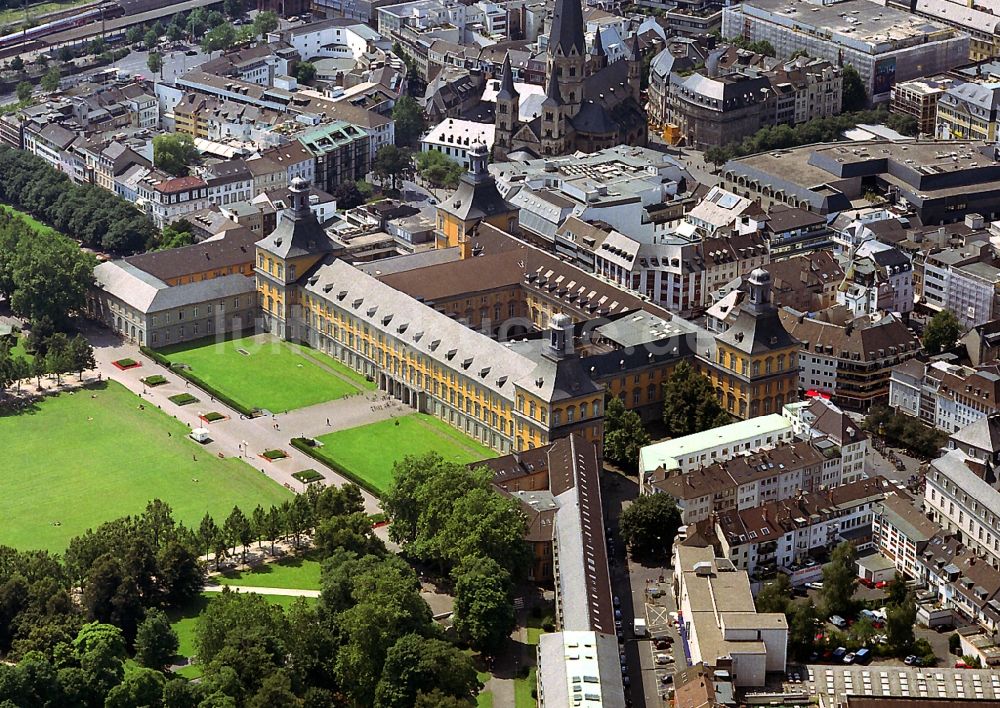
(514,353)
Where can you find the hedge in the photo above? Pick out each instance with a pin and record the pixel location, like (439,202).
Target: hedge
(207,388)
(307,476)
(273,455)
(183,399)
(308,446)
(155,380)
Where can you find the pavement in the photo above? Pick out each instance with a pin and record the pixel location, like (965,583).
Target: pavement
(259,434)
(288,592)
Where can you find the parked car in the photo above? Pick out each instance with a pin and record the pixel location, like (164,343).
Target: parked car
(617,601)
(962,665)
(863,656)
(838,653)
(814,586)
(662,659)
(881,584)
(838,621)
(667,678)
(909,660)
(849,657)
(663,643)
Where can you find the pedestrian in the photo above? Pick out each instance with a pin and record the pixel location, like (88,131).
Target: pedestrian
(328,422)
(194,458)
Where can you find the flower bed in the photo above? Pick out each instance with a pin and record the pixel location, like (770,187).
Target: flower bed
(124,364)
(154,380)
(308,476)
(273,455)
(183,399)
(213,417)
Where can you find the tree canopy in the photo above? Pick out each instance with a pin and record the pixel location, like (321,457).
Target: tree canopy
(689,402)
(941,332)
(438,169)
(393,163)
(408,117)
(649,524)
(624,435)
(854,97)
(840,578)
(174,153)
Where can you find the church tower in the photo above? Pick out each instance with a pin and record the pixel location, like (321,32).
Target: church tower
(635,68)
(599,57)
(567,52)
(507,110)
(553,122)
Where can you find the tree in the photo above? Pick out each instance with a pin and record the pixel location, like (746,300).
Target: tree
(155,641)
(175,31)
(208,532)
(233,8)
(899,621)
(38,263)
(58,358)
(484,606)
(438,169)
(624,435)
(415,664)
(99,649)
(348,195)
(24,91)
(775,596)
(265,22)
(50,82)
(81,355)
(180,574)
(175,235)
(141,687)
(305,72)
(237,531)
(219,38)
(689,402)
(155,63)
(840,577)
(941,332)
(802,619)
(150,39)
(896,591)
(174,153)
(134,34)
(649,524)
(854,96)
(409,121)
(17,64)
(393,163)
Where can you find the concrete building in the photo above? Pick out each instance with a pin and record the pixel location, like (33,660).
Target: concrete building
(965,281)
(919,98)
(884,44)
(166,199)
(901,534)
(342,152)
(564,658)
(455,138)
(690,452)
(723,628)
(877,278)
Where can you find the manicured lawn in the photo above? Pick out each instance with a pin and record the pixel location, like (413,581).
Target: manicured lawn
(370,451)
(79,459)
(272,374)
(522,691)
(25,216)
(185,620)
(296,572)
(18,349)
(329,361)
(485,700)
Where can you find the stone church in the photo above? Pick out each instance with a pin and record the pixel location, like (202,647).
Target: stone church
(589,104)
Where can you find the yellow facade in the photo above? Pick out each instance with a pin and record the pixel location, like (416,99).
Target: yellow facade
(749,386)
(241,268)
(453,231)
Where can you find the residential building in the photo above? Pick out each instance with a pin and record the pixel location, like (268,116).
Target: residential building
(969,111)
(779,535)
(565,657)
(455,138)
(698,450)
(852,32)
(745,481)
(754,366)
(877,278)
(166,199)
(982,343)
(919,98)
(228,182)
(849,358)
(342,152)
(722,627)
(901,534)
(790,231)
(824,423)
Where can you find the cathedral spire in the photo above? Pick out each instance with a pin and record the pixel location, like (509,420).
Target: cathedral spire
(598,44)
(634,47)
(567,29)
(507,91)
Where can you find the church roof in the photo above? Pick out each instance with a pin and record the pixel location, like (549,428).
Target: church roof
(507,91)
(552,95)
(593,118)
(567,28)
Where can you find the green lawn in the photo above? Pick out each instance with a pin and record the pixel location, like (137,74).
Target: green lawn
(25,216)
(35,10)
(296,572)
(327,360)
(91,456)
(414,434)
(185,620)
(522,691)
(19,351)
(273,375)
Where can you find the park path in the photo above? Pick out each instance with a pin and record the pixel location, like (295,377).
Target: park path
(259,434)
(287,592)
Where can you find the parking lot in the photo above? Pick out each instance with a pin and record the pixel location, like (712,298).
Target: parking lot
(838,682)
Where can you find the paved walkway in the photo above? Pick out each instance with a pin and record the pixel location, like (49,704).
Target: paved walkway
(288,592)
(260,434)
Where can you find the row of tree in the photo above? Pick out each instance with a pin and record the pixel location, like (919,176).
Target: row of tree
(908,432)
(57,355)
(87,212)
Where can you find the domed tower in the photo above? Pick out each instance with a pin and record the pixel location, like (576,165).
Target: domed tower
(507,110)
(567,52)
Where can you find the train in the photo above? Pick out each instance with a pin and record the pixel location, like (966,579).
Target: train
(65,23)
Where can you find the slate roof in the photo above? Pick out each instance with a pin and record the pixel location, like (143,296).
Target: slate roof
(566,32)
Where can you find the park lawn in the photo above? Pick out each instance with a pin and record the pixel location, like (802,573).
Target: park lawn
(522,691)
(294,572)
(83,458)
(274,377)
(484,700)
(327,360)
(370,451)
(18,350)
(184,621)
(34,223)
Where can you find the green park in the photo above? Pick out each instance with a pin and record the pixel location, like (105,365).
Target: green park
(260,371)
(113,455)
(415,434)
